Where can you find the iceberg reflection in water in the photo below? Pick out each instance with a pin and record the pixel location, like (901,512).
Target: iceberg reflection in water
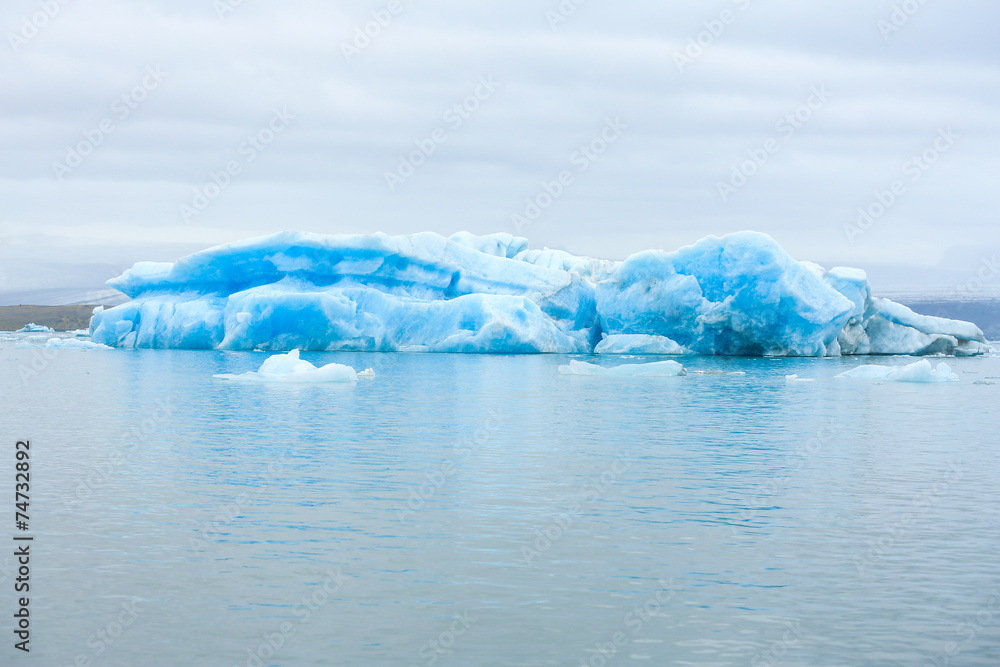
(727,505)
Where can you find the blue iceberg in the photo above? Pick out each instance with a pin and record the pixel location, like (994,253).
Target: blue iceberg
(740,294)
(35,328)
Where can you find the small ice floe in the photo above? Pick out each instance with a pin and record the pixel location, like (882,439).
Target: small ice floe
(35,328)
(65,344)
(717,372)
(367,373)
(81,333)
(985,382)
(792,379)
(654,369)
(920,371)
(74,344)
(289,368)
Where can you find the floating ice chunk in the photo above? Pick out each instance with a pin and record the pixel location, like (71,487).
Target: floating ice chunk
(920,371)
(289,368)
(719,372)
(893,328)
(74,344)
(81,333)
(35,328)
(66,344)
(740,294)
(868,372)
(367,373)
(792,379)
(639,344)
(654,369)
(900,314)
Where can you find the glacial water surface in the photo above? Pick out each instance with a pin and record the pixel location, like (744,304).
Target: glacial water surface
(486,510)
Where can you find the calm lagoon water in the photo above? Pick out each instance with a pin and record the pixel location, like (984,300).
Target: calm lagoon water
(486,510)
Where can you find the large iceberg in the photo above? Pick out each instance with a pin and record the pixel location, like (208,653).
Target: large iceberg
(740,294)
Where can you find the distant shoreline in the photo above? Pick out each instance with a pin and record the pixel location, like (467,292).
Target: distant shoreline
(60,318)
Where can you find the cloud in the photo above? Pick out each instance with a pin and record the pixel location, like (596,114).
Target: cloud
(357,117)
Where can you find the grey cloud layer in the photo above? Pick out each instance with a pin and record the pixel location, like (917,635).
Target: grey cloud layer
(358,116)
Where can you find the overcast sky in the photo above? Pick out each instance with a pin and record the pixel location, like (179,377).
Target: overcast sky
(116,116)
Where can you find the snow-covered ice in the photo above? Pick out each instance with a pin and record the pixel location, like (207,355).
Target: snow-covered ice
(653,369)
(289,368)
(920,371)
(740,294)
(793,379)
(35,328)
